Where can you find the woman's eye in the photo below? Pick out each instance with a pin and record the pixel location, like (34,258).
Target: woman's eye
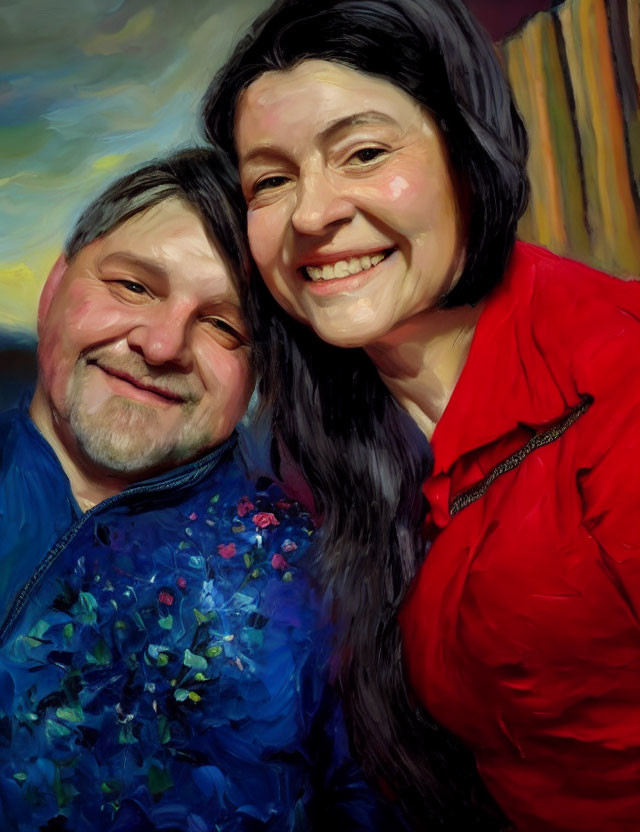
(270,182)
(366,155)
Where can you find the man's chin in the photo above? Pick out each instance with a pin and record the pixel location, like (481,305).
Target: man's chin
(130,440)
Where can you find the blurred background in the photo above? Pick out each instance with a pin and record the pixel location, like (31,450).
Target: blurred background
(89,90)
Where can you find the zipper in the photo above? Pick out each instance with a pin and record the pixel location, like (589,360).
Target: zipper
(19,602)
(465,498)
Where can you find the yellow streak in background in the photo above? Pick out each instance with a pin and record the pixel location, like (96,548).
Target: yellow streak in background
(112,42)
(20,287)
(109,162)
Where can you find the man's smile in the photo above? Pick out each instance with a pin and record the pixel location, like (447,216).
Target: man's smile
(127,385)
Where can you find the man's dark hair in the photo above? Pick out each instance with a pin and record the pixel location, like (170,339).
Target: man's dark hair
(203,178)
(363,457)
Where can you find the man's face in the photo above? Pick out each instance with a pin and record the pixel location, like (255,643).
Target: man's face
(144,360)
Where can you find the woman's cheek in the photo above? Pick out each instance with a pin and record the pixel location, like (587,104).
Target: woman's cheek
(265,230)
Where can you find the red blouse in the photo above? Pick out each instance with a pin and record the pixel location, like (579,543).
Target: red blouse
(522,629)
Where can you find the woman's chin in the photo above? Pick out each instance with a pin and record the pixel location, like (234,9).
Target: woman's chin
(351,337)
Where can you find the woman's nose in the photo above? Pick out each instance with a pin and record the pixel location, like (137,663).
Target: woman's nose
(320,204)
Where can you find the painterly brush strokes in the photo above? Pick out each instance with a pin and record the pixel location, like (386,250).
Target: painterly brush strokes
(90,90)
(575,73)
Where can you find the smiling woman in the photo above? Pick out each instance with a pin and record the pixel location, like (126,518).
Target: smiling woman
(383,165)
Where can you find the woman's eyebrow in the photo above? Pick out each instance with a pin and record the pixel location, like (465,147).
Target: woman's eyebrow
(354,120)
(267,150)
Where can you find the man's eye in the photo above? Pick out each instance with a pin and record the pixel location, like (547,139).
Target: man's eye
(218,323)
(367,154)
(270,182)
(132,286)
(230,333)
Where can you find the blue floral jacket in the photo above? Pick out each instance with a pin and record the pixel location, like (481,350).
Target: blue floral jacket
(163,660)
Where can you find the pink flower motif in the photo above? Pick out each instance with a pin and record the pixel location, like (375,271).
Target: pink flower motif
(289,546)
(165,597)
(193,516)
(283,504)
(226,550)
(182,582)
(278,561)
(244,506)
(264,519)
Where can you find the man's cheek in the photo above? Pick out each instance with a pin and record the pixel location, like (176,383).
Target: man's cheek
(229,377)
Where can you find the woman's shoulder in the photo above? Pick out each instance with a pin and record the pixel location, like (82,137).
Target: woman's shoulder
(567,283)
(580,318)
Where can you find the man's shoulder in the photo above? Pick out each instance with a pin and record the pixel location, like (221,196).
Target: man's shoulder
(11,432)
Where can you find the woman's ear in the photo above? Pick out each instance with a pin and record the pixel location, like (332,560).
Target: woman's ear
(50,287)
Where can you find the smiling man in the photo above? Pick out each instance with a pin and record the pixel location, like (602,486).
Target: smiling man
(144,362)
(162,654)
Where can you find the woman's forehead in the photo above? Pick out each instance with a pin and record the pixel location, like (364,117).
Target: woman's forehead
(316,92)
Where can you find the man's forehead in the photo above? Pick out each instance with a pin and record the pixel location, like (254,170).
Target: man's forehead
(166,242)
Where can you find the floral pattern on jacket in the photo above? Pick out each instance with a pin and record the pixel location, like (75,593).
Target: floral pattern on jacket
(168,671)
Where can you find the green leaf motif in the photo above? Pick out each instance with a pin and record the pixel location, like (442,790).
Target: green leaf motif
(73,713)
(39,630)
(64,792)
(56,730)
(162,659)
(100,655)
(203,618)
(166,623)
(213,652)
(164,730)
(181,694)
(85,608)
(67,631)
(159,780)
(193,660)
(126,735)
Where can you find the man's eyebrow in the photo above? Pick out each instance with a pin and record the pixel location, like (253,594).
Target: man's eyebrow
(335,126)
(136,261)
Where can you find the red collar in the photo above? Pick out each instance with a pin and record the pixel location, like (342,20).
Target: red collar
(508,380)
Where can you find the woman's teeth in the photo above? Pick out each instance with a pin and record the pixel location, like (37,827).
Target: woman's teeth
(344,268)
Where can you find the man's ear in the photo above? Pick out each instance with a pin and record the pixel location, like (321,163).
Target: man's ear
(50,287)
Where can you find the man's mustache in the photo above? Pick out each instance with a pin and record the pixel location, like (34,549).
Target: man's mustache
(135,368)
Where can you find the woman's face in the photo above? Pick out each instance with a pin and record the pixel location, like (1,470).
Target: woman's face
(354,220)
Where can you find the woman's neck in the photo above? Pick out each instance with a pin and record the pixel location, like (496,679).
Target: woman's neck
(421,360)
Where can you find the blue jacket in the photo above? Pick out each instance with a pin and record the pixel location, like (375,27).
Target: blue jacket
(163,659)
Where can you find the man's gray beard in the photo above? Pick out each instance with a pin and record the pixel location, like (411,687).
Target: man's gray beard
(122,437)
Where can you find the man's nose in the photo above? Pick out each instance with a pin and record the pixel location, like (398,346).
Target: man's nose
(162,336)
(320,203)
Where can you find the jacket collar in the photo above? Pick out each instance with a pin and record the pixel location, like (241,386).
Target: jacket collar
(184,475)
(508,380)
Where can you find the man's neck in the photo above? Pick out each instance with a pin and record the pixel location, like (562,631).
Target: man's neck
(89,487)
(421,361)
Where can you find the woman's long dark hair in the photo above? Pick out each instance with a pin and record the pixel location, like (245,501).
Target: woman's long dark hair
(363,457)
